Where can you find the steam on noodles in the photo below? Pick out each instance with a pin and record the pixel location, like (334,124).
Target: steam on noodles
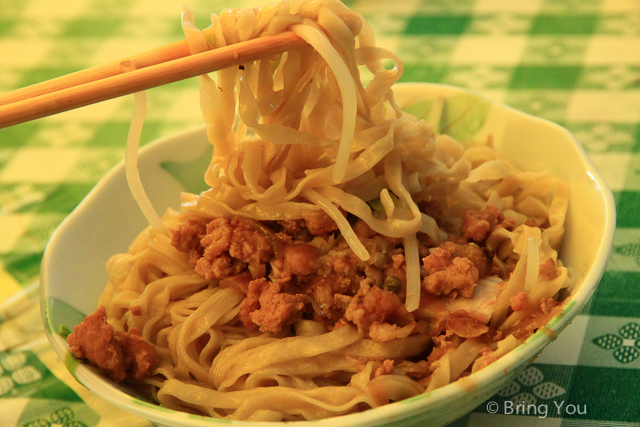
(374,258)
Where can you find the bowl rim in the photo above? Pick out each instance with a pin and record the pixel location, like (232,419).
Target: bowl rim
(528,350)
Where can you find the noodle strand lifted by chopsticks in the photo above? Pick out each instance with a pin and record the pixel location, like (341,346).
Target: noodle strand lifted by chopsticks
(347,91)
(131,159)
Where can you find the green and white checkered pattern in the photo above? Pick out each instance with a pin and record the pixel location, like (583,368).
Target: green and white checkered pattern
(576,62)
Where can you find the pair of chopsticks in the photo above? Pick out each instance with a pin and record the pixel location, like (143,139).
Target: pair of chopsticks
(157,67)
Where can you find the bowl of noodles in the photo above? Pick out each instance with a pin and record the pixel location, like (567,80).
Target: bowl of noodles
(375,252)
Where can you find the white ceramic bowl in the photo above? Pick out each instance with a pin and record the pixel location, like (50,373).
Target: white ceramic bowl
(73,269)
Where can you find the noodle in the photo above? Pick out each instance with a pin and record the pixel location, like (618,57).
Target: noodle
(347,91)
(347,255)
(131,159)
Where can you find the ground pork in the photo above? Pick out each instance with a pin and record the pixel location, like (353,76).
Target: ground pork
(385,369)
(187,237)
(446,276)
(318,222)
(295,228)
(269,307)
(473,253)
(300,259)
(118,354)
(548,269)
(438,260)
(477,225)
(547,305)
(227,248)
(285,272)
(520,302)
(322,297)
(373,305)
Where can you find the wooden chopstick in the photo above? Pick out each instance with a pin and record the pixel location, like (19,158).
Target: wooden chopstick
(155,68)
(155,56)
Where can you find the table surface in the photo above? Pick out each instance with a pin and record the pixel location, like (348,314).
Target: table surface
(571,61)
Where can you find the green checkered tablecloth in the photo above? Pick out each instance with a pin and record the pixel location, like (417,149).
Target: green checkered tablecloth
(571,61)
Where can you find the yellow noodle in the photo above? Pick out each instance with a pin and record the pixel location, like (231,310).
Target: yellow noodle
(312,136)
